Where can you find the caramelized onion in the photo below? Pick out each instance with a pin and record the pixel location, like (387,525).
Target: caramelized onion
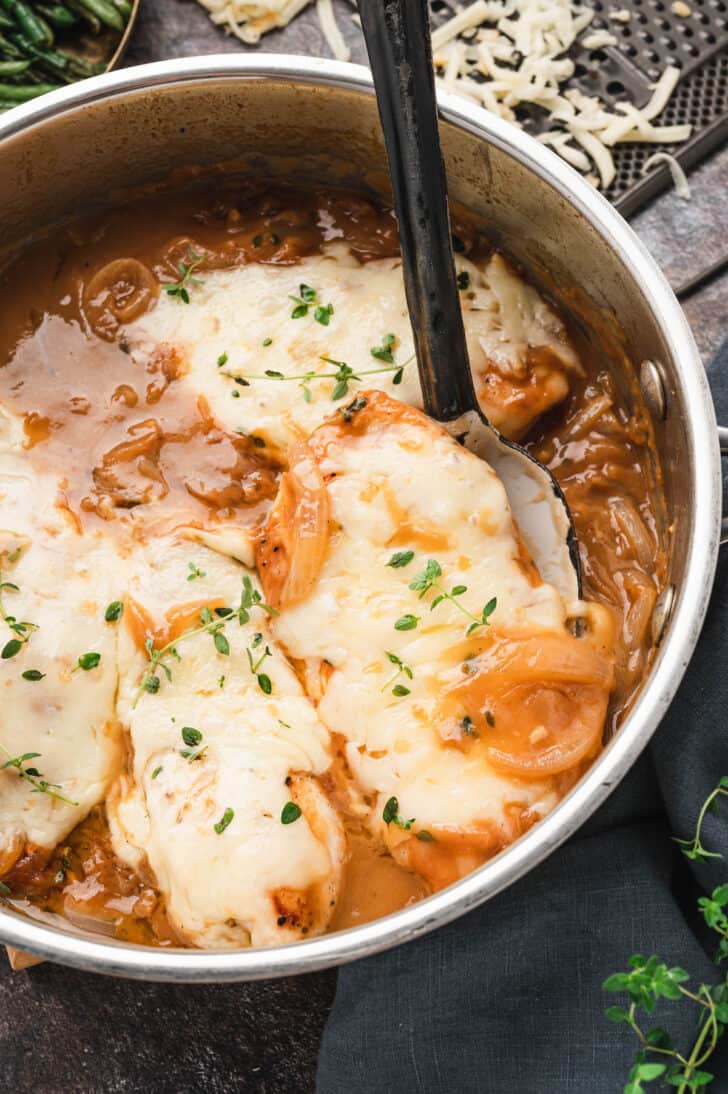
(536,705)
(543,731)
(291,551)
(630,524)
(546,659)
(118,293)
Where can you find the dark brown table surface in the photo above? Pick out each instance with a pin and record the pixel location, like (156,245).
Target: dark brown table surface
(64,1032)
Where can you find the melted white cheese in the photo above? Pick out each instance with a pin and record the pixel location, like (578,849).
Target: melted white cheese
(223,889)
(259,881)
(64,583)
(233,313)
(392,488)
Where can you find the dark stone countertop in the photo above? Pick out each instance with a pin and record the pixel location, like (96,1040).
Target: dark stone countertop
(65,1032)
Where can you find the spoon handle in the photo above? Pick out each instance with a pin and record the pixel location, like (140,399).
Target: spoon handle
(397,36)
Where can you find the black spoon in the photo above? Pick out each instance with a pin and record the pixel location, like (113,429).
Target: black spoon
(397,36)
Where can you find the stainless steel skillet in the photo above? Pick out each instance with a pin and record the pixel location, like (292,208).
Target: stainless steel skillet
(318,120)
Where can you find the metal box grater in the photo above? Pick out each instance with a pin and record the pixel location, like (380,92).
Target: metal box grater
(653,38)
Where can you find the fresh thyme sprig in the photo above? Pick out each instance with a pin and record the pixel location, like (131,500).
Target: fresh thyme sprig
(21,629)
(251,598)
(344,375)
(212,624)
(264,681)
(159,659)
(308,298)
(399,689)
(181,288)
(427,580)
(693,849)
(648,979)
(33,776)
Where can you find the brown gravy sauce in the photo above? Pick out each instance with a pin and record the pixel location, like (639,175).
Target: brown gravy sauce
(134,450)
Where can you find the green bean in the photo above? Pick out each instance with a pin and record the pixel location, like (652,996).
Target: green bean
(55,58)
(50,57)
(106,12)
(33,26)
(5,21)
(20,93)
(50,61)
(57,15)
(8,49)
(93,22)
(124,7)
(13,68)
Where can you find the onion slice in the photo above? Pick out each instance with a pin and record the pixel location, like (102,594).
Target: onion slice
(292,547)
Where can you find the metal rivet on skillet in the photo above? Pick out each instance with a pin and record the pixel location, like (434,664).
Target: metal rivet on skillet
(654,389)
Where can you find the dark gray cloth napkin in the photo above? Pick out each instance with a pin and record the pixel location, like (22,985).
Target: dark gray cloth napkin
(509,997)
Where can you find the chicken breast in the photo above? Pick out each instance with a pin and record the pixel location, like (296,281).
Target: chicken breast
(445,662)
(221,803)
(60,746)
(271,347)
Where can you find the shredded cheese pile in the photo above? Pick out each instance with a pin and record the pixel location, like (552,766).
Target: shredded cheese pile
(516,50)
(248,20)
(506,54)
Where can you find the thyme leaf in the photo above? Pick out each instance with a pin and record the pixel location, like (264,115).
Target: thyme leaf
(343,375)
(427,580)
(406,623)
(181,288)
(308,298)
(647,980)
(20,629)
(390,815)
(264,681)
(33,776)
(398,690)
(401,558)
(290,813)
(224,821)
(212,624)
(88,661)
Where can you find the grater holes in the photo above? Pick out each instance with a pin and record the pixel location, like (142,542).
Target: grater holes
(653,39)
(699,99)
